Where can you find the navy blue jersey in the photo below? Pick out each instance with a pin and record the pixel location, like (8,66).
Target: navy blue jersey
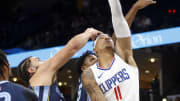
(82,94)
(48,93)
(13,92)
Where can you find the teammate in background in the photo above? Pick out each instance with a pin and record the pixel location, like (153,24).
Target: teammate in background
(89,59)
(116,72)
(10,91)
(40,75)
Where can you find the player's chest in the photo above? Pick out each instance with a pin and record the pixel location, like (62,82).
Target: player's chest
(108,80)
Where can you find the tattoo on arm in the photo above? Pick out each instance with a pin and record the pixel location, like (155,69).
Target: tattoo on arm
(90,85)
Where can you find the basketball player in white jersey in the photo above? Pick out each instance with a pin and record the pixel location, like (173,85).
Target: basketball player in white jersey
(116,72)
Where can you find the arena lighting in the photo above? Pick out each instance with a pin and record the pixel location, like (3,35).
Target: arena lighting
(139,40)
(68,71)
(65,83)
(152,60)
(14,79)
(147,71)
(60,84)
(169,11)
(174,11)
(70,77)
(164,99)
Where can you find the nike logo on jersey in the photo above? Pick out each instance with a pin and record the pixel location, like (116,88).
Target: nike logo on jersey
(100,75)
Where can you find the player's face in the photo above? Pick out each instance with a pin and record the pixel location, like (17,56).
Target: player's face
(104,42)
(89,60)
(35,62)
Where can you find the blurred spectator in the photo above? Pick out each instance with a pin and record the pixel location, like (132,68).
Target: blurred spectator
(63,20)
(177,99)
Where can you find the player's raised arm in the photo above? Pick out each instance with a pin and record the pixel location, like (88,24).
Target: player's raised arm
(90,85)
(140,4)
(76,43)
(121,29)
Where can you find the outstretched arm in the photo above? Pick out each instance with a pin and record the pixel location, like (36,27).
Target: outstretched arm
(75,44)
(90,85)
(122,33)
(140,4)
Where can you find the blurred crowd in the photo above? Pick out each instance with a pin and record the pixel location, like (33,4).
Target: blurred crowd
(57,24)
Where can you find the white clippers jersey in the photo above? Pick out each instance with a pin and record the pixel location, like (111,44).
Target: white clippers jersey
(120,82)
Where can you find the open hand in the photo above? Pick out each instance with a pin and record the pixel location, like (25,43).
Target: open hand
(93,33)
(140,4)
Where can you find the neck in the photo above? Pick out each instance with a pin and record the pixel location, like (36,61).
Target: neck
(105,58)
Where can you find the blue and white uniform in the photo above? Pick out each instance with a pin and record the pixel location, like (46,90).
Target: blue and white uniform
(120,82)
(82,94)
(13,92)
(48,93)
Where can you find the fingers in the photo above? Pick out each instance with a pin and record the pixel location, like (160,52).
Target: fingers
(154,2)
(150,2)
(144,3)
(93,33)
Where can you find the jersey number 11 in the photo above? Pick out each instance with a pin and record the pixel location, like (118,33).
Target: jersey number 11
(118,93)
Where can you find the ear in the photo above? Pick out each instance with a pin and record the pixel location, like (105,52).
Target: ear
(31,70)
(83,68)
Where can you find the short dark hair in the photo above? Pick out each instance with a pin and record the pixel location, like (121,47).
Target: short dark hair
(81,60)
(3,62)
(23,74)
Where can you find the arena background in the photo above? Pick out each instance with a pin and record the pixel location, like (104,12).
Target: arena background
(31,26)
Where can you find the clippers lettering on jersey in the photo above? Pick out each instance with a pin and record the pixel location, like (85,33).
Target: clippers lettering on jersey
(114,81)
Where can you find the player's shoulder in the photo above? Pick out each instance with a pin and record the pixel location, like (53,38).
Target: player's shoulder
(4,82)
(20,87)
(27,93)
(16,85)
(130,61)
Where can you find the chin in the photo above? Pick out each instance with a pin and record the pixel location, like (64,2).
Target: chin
(109,47)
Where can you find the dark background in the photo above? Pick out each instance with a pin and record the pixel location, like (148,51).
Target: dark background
(27,25)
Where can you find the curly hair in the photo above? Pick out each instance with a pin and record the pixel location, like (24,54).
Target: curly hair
(3,62)
(23,74)
(81,60)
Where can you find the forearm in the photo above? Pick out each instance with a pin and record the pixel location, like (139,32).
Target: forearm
(79,41)
(91,86)
(96,95)
(129,18)
(131,15)
(94,91)
(63,56)
(120,25)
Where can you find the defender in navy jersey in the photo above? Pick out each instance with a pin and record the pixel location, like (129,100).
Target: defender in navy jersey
(40,75)
(52,93)
(86,60)
(10,91)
